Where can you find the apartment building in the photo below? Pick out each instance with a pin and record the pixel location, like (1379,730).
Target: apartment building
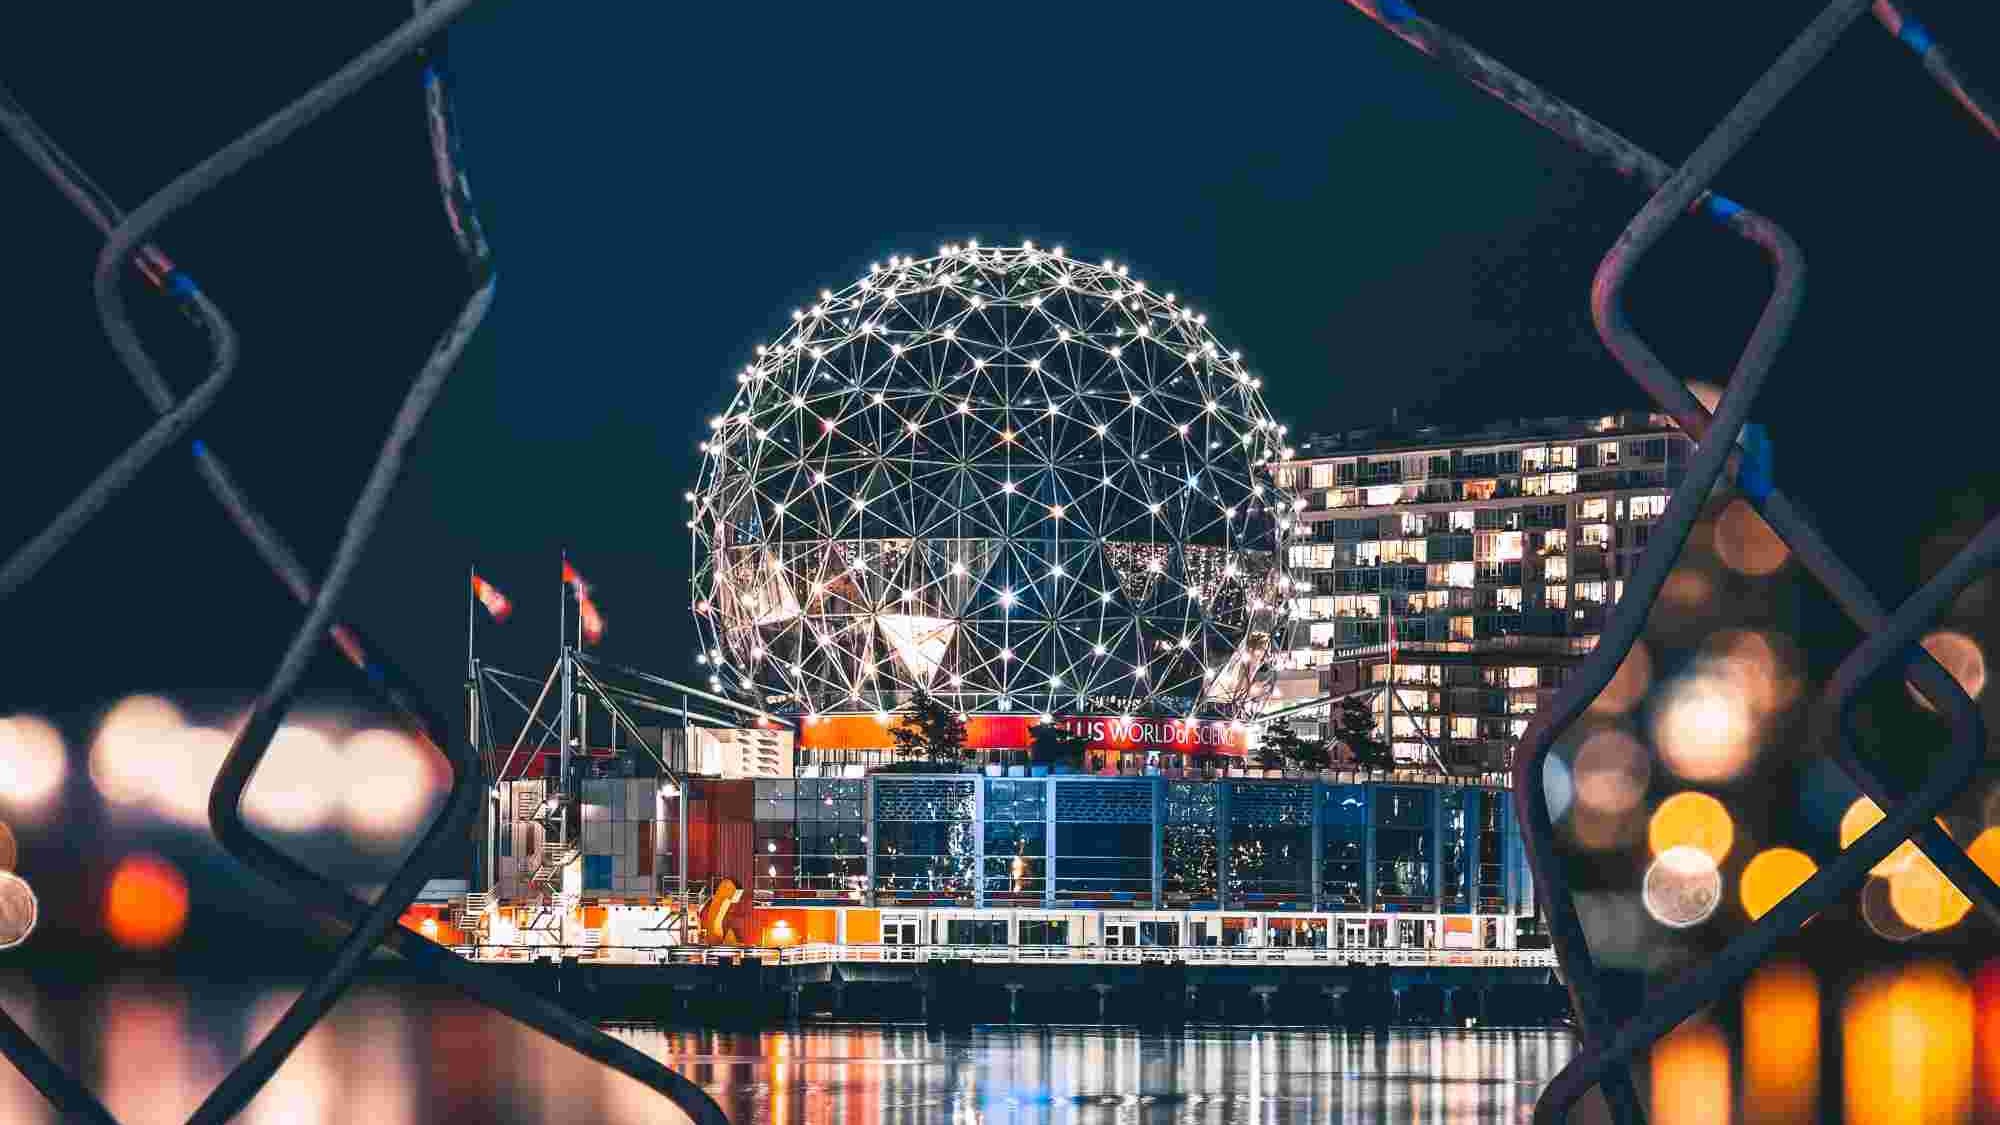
(1494,556)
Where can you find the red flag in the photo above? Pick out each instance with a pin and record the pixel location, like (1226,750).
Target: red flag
(592,621)
(1392,628)
(570,576)
(496,603)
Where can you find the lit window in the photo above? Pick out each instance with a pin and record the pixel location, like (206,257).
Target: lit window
(1595,509)
(1520,676)
(1562,457)
(1340,498)
(1461,628)
(1590,592)
(1385,494)
(1510,598)
(1461,521)
(1596,535)
(1464,727)
(1562,484)
(1648,507)
(1557,597)
(1607,453)
(1460,577)
(1322,475)
(1534,460)
(1479,489)
(1413,523)
(1555,569)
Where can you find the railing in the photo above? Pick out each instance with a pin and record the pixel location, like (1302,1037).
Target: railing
(823,953)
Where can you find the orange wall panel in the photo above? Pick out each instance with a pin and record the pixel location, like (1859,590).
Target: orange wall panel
(864,927)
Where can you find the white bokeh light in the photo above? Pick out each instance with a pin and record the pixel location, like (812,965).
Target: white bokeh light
(997,449)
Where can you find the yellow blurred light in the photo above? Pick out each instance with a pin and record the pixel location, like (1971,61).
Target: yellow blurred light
(182,783)
(1879,916)
(1781,1044)
(1771,875)
(1754,662)
(1907,1045)
(1628,685)
(429,928)
(1924,899)
(136,735)
(1961,656)
(1682,887)
(1611,772)
(1690,1076)
(1862,815)
(32,763)
(1687,588)
(1704,730)
(1692,819)
(1746,544)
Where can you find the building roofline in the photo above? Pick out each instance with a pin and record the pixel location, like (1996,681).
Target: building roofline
(1412,439)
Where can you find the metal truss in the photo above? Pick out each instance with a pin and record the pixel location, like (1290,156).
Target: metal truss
(361,925)
(1728,444)
(1020,481)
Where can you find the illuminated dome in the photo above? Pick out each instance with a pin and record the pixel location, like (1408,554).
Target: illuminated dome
(1024,482)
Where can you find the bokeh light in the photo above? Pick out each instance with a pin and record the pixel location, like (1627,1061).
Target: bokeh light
(32,765)
(1687,588)
(1704,730)
(18,910)
(1628,685)
(1692,820)
(1986,1040)
(390,786)
(1780,1044)
(1611,772)
(1862,815)
(1746,544)
(293,788)
(1758,664)
(146,903)
(1557,786)
(1907,1038)
(1682,888)
(1690,1076)
(134,738)
(1924,899)
(1880,916)
(1771,875)
(10,849)
(1961,656)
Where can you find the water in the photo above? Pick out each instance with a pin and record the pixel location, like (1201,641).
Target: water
(404,1055)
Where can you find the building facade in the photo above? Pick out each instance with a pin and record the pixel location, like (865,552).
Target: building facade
(1489,558)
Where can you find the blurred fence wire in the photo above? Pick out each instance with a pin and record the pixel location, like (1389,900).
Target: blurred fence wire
(358,925)
(1729,443)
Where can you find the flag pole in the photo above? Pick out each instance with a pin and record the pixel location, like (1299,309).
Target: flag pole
(482,869)
(568,693)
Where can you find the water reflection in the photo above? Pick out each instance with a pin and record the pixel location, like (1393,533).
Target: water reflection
(1053,1076)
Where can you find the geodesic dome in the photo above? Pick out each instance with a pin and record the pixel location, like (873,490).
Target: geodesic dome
(1023,482)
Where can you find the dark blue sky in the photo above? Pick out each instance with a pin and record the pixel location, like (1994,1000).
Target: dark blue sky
(664,183)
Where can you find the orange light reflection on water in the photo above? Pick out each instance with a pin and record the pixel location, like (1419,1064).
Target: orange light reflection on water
(1907,1037)
(1781,1073)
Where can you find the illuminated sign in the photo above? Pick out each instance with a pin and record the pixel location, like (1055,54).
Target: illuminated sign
(1010,732)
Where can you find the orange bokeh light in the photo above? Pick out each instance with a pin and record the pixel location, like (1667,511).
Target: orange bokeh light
(1771,875)
(1862,815)
(1781,1044)
(146,903)
(1961,656)
(1746,544)
(1690,1079)
(1695,820)
(1907,1038)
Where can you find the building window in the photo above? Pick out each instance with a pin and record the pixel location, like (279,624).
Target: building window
(1556,597)
(1414,523)
(1340,498)
(1478,489)
(1461,627)
(1617,591)
(1595,509)
(1555,569)
(1607,453)
(1462,521)
(1044,931)
(1509,599)
(1562,457)
(1535,486)
(1534,460)
(1648,507)
(1596,535)
(1384,494)
(1343,473)
(1322,475)
(1555,542)
(1562,484)
(1285,477)
(1464,727)
(1590,592)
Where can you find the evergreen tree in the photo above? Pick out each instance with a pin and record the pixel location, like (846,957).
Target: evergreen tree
(1357,730)
(930,731)
(1051,744)
(1279,746)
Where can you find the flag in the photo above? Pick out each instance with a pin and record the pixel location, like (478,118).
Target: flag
(592,621)
(1392,629)
(575,580)
(496,603)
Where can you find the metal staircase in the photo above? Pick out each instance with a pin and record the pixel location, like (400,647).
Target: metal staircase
(469,910)
(548,873)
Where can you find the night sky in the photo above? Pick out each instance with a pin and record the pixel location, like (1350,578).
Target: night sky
(663,183)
